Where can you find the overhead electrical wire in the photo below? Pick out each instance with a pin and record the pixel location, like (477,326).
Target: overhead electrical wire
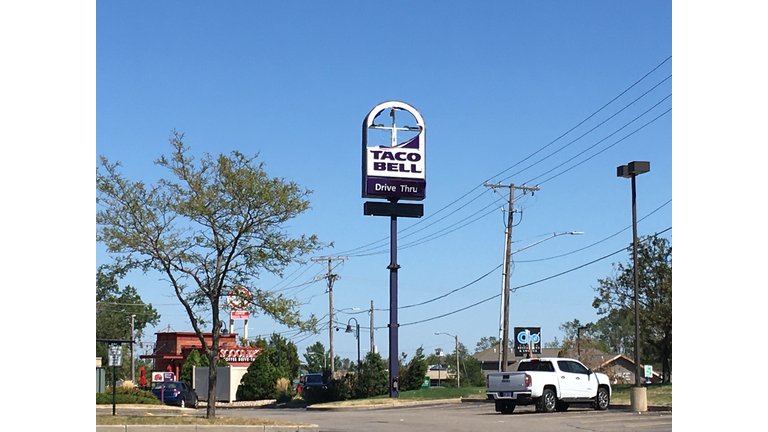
(371,248)
(497,267)
(514,289)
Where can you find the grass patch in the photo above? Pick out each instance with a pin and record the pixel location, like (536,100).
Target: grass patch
(657,394)
(187,420)
(440,393)
(414,395)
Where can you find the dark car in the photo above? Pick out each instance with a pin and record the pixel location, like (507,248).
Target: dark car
(175,393)
(311,381)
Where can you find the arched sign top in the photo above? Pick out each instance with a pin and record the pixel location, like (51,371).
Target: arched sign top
(239,298)
(398,170)
(378,109)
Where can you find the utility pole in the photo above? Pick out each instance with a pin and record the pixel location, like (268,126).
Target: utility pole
(504,321)
(331,278)
(372,345)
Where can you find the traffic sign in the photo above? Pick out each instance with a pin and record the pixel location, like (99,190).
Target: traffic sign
(115,355)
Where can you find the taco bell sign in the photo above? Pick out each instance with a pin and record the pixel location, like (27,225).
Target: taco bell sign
(394,169)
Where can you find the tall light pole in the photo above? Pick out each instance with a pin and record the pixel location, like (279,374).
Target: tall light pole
(357,336)
(458,371)
(133,338)
(638,396)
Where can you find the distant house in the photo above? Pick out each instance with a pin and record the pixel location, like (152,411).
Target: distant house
(619,367)
(437,374)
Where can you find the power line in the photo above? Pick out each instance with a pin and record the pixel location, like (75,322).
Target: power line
(523,286)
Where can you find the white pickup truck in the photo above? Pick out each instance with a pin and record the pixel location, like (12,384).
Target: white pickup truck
(552,383)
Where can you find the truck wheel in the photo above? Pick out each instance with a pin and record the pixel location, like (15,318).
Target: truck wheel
(602,400)
(505,407)
(547,402)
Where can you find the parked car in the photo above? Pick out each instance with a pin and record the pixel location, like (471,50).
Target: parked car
(311,381)
(175,393)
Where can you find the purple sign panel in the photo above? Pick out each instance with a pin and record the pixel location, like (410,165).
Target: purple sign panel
(382,187)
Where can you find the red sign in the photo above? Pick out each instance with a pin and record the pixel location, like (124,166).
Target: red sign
(239,355)
(239,298)
(238,315)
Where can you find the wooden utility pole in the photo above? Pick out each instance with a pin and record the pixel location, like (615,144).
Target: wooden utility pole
(331,279)
(504,321)
(372,344)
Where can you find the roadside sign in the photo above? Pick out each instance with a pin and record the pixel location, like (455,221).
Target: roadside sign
(648,371)
(238,315)
(239,298)
(163,376)
(115,355)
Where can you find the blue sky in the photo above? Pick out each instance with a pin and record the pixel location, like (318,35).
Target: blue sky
(552,94)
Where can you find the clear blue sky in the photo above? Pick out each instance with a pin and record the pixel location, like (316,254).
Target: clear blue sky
(548,94)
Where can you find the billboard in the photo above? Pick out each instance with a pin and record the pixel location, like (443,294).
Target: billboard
(397,169)
(527,341)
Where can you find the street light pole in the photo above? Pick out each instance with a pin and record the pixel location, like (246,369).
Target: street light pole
(638,396)
(458,371)
(133,338)
(357,336)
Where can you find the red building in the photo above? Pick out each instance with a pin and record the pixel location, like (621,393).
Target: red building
(172,349)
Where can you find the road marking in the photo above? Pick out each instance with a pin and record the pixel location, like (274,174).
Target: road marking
(649,424)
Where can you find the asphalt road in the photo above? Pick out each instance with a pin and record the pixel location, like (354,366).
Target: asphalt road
(461,418)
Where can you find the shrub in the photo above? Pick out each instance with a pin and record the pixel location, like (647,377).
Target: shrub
(373,378)
(259,381)
(127,395)
(283,390)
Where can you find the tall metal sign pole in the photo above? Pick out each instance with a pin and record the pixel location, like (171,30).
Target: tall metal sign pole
(393,172)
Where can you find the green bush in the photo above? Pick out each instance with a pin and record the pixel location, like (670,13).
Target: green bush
(259,382)
(284,391)
(373,378)
(412,376)
(125,395)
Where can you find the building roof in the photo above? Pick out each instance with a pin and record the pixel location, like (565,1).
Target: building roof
(491,355)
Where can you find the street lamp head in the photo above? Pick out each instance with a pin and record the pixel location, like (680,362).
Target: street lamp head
(349,328)
(633,169)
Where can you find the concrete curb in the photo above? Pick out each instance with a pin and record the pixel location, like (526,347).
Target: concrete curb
(651,408)
(206,428)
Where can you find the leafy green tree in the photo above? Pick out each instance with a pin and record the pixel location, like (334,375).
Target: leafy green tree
(204,362)
(260,380)
(615,294)
(472,373)
(581,340)
(285,355)
(193,359)
(316,358)
(114,308)
(415,371)
(617,330)
(373,377)
(212,225)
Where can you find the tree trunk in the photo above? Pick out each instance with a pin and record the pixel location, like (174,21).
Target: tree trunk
(213,368)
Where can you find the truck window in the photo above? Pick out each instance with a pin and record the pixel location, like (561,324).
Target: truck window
(543,366)
(578,368)
(565,366)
